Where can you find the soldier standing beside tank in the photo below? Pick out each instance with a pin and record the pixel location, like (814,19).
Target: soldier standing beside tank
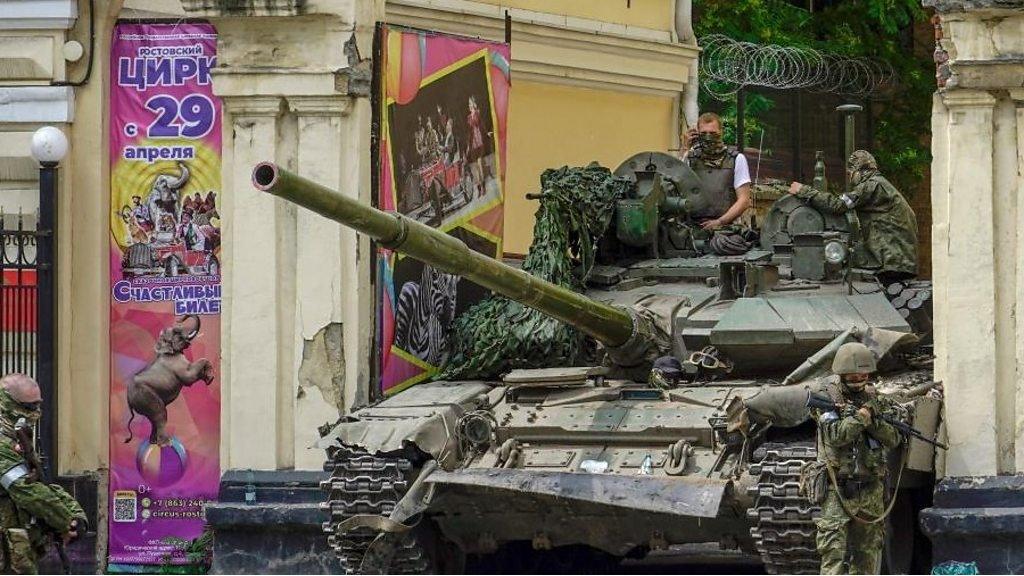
(30,510)
(723,170)
(855,447)
(888,226)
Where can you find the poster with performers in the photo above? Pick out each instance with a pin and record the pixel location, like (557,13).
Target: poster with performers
(165,289)
(441,159)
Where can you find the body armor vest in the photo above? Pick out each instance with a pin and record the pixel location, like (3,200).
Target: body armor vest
(715,185)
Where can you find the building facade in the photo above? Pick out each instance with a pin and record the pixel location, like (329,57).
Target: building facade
(591,81)
(977,247)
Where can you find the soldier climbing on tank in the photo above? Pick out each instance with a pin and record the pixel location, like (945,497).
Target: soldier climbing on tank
(854,445)
(725,179)
(888,226)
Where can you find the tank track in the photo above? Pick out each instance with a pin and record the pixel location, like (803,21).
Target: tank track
(784,531)
(365,484)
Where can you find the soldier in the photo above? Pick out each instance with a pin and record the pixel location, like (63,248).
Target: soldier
(666,372)
(30,510)
(855,447)
(723,170)
(888,226)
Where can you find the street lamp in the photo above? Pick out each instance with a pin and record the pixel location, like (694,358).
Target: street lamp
(49,145)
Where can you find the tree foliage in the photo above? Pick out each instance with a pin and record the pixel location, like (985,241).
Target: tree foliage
(878,29)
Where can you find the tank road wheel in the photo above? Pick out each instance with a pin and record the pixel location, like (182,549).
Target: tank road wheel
(784,530)
(365,484)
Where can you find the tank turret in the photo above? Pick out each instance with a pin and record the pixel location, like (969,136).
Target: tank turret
(627,337)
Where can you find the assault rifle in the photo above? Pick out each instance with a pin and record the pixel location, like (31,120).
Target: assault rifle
(826,404)
(23,431)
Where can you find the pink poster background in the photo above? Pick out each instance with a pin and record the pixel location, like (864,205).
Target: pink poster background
(428,80)
(165,146)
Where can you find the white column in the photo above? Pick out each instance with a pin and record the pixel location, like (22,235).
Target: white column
(319,392)
(1018,278)
(1004,252)
(358,297)
(965,278)
(251,336)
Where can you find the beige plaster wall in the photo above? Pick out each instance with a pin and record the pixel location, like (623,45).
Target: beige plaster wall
(554,125)
(654,14)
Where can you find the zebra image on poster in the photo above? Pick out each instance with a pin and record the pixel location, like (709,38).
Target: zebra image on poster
(441,151)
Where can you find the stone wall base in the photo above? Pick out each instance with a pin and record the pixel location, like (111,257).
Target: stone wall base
(276,532)
(978,519)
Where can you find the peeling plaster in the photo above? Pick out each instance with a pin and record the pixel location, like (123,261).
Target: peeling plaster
(323,365)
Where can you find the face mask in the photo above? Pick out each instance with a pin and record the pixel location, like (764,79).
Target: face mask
(11,409)
(708,139)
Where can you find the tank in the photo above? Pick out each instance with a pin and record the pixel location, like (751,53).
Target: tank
(609,462)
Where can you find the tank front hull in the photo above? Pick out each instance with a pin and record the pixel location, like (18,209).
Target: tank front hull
(482,509)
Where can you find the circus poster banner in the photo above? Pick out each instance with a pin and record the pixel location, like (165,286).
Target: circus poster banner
(441,159)
(165,289)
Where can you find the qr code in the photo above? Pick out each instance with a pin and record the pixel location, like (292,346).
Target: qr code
(125,506)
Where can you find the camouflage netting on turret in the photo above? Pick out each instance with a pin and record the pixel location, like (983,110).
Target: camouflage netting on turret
(498,335)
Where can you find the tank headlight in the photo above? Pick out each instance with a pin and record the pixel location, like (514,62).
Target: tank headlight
(835,252)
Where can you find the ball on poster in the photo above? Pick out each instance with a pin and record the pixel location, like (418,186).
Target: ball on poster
(162,465)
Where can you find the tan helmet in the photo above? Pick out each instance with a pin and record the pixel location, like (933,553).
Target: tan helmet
(853,358)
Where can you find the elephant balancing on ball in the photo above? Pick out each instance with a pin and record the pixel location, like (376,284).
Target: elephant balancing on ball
(157,385)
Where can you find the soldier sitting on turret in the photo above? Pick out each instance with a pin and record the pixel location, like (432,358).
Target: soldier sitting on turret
(723,171)
(888,224)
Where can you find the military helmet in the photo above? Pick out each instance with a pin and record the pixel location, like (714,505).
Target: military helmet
(669,366)
(853,358)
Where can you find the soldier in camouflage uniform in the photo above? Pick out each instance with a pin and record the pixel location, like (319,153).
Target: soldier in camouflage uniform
(887,223)
(30,510)
(855,446)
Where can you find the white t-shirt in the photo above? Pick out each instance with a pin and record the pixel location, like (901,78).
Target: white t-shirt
(741,172)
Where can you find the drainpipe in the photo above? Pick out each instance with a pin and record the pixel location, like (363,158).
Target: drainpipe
(684,33)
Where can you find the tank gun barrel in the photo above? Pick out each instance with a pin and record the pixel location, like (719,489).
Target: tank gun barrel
(609,325)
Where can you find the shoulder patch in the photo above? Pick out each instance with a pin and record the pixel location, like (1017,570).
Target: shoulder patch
(13,475)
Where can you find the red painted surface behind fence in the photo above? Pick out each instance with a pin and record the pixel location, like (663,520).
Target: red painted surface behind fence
(18,301)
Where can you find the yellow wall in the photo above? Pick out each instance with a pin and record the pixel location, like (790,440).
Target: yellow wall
(552,126)
(654,14)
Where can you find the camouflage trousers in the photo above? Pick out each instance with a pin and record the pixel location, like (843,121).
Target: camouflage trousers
(19,555)
(845,545)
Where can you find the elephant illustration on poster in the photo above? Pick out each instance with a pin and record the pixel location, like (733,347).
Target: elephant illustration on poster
(165,192)
(158,384)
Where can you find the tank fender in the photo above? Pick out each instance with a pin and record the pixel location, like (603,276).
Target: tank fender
(425,418)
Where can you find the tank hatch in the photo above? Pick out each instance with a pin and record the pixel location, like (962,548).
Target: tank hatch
(556,377)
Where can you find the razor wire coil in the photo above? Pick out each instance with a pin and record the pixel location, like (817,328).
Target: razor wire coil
(727,66)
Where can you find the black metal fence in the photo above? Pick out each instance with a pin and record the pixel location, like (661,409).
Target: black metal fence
(18,295)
